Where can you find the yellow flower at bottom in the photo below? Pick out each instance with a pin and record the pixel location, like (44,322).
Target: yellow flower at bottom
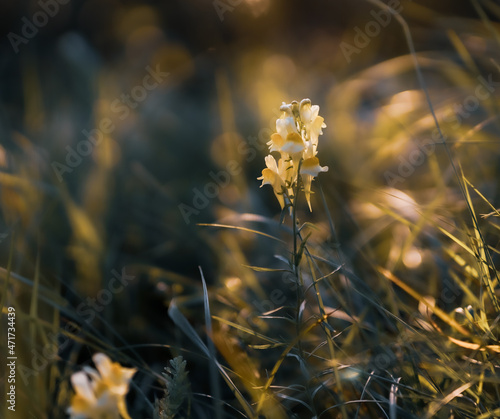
(100,394)
(116,377)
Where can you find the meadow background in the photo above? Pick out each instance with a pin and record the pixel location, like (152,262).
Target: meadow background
(128,126)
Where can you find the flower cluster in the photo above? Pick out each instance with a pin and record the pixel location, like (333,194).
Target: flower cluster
(100,393)
(296,139)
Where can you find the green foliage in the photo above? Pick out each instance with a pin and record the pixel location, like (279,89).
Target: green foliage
(177,392)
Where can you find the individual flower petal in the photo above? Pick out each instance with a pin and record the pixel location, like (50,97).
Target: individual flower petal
(82,386)
(317,124)
(308,112)
(103,364)
(285,126)
(311,167)
(116,377)
(122,408)
(90,400)
(286,108)
(315,129)
(293,144)
(268,177)
(309,151)
(271,163)
(271,178)
(276,142)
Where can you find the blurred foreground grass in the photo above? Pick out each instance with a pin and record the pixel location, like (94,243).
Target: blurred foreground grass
(402,245)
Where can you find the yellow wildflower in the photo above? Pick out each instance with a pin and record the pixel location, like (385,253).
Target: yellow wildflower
(296,139)
(100,394)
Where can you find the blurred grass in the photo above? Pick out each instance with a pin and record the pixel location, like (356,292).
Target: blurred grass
(400,309)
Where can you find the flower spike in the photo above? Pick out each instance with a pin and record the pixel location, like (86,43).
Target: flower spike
(296,139)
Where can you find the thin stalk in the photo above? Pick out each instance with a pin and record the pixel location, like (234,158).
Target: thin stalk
(296,271)
(296,261)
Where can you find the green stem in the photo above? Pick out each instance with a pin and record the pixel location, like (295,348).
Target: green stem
(296,261)
(296,270)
